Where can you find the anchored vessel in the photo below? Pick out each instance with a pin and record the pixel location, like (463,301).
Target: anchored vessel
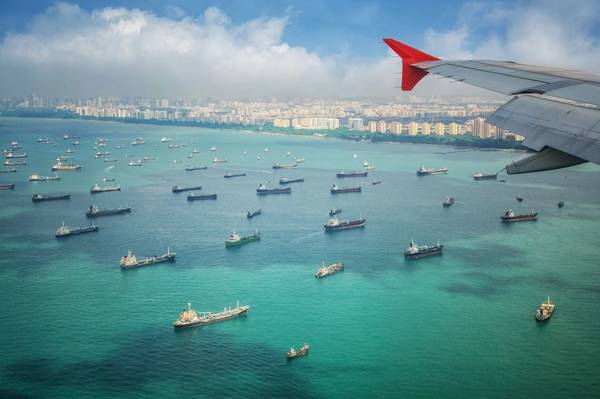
(36,177)
(285,180)
(263,190)
(189,317)
(335,211)
(94,211)
(105,179)
(10,186)
(448,202)
(40,197)
(101,154)
(545,311)
(519,198)
(65,231)
(509,216)
(351,174)
(138,141)
(376,182)
(129,261)
(325,271)
(200,197)
(14,163)
(251,214)
(65,167)
(422,171)
(293,353)
(179,189)
(277,165)
(335,224)
(10,170)
(12,155)
(415,251)
(98,189)
(191,168)
(340,190)
(135,163)
(165,139)
(235,239)
(482,176)
(230,175)
(561,203)
(217,160)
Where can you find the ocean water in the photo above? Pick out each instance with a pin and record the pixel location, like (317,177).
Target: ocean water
(73,324)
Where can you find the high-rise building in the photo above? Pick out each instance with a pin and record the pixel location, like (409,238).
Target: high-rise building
(396,127)
(413,128)
(440,129)
(372,127)
(425,129)
(381,127)
(355,124)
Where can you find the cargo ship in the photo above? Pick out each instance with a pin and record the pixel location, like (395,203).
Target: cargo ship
(96,189)
(415,251)
(545,311)
(201,197)
(189,317)
(10,186)
(277,165)
(14,163)
(40,197)
(334,224)
(230,175)
(36,177)
(285,180)
(65,231)
(94,211)
(179,189)
(325,271)
(10,170)
(191,168)
(422,171)
(334,211)
(65,167)
(482,176)
(130,261)
(293,353)
(251,214)
(448,202)
(509,217)
(12,155)
(343,174)
(340,190)
(218,160)
(235,239)
(263,190)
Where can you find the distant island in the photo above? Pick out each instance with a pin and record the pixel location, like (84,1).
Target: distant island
(341,133)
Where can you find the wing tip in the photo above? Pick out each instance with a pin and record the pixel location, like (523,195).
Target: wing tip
(411,75)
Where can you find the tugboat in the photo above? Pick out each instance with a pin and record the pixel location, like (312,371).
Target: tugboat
(230,175)
(285,180)
(217,160)
(293,353)
(65,231)
(481,176)
(65,167)
(10,186)
(422,171)
(40,197)
(94,211)
(129,261)
(135,163)
(561,203)
(448,202)
(277,165)
(341,190)
(509,217)
(545,311)
(36,177)
(334,211)
(189,317)
(343,174)
(250,214)
(415,251)
(96,189)
(179,189)
(235,239)
(325,271)
(263,190)
(334,224)
(201,197)
(191,168)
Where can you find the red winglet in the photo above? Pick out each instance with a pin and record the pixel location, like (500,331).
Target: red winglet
(410,74)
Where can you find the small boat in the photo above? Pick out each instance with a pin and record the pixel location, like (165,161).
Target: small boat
(370,167)
(335,211)
(266,150)
(10,186)
(201,197)
(173,146)
(230,175)
(235,239)
(195,151)
(366,164)
(287,154)
(376,182)
(65,231)
(285,180)
(300,160)
(545,311)
(482,176)
(258,157)
(179,189)
(135,163)
(217,160)
(448,202)
(293,353)
(107,179)
(561,203)
(66,136)
(138,141)
(251,214)
(213,149)
(165,139)
(191,168)
(519,198)
(40,197)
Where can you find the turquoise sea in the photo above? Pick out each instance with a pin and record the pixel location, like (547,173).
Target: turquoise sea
(73,325)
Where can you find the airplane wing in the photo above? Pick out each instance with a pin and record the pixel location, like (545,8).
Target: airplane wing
(556,110)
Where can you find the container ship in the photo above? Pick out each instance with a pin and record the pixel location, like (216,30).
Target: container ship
(482,176)
(422,171)
(189,317)
(230,175)
(545,311)
(325,271)
(65,167)
(129,261)
(252,214)
(179,189)
(341,190)
(40,197)
(448,202)
(36,177)
(351,174)
(201,197)
(285,180)
(277,165)
(65,231)
(293,353)
(263,190)
(191,168)
(235,239)
(334,224)
(94,211)
(415,251)
(96,189)
(509,217)
(10,186)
